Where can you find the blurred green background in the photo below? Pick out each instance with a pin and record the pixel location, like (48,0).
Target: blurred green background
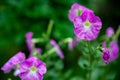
(20,16)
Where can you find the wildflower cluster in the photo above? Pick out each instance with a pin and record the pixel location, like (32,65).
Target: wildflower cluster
(27,69)
(31,68)
(86,29)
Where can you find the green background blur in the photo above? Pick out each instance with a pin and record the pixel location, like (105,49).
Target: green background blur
(20,16)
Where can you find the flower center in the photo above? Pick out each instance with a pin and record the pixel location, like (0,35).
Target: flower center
(33,68)
(17,66)
(79,12)
(87,24)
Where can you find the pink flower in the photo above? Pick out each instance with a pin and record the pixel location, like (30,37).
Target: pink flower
(77,10)
(32,69)
(38,50)
(114,50)
(31,44)
(110,31)
(59,51)
(29,41)
(72,44)
(14,62)
(87,26)
(104,44)
(106,55)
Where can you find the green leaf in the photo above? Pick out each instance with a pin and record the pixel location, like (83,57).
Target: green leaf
(83,63)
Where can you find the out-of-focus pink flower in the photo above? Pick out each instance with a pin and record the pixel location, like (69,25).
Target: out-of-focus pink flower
(114,50)
(31,44)
(58,50)
(87,26)
(13,62)
(72,43)
(29,41)
(104,44)
(76,10)
(109,31)
(106,55)
(38,50)
(32,69)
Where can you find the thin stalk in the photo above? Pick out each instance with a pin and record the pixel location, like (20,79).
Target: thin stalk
(49,30)
(90,61)
(51,51)
(37,40)
(118,32)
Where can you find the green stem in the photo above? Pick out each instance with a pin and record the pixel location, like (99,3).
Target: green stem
(50,26)
(90,61)
(51,51)
(66,40)
(37,40)
(118,32)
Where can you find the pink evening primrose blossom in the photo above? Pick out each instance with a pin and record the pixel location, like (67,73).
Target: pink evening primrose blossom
(58,50)
(87,26)
(32,69)
(29,41)
(109,31)
(106,55)
(76,10)
(14,63)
